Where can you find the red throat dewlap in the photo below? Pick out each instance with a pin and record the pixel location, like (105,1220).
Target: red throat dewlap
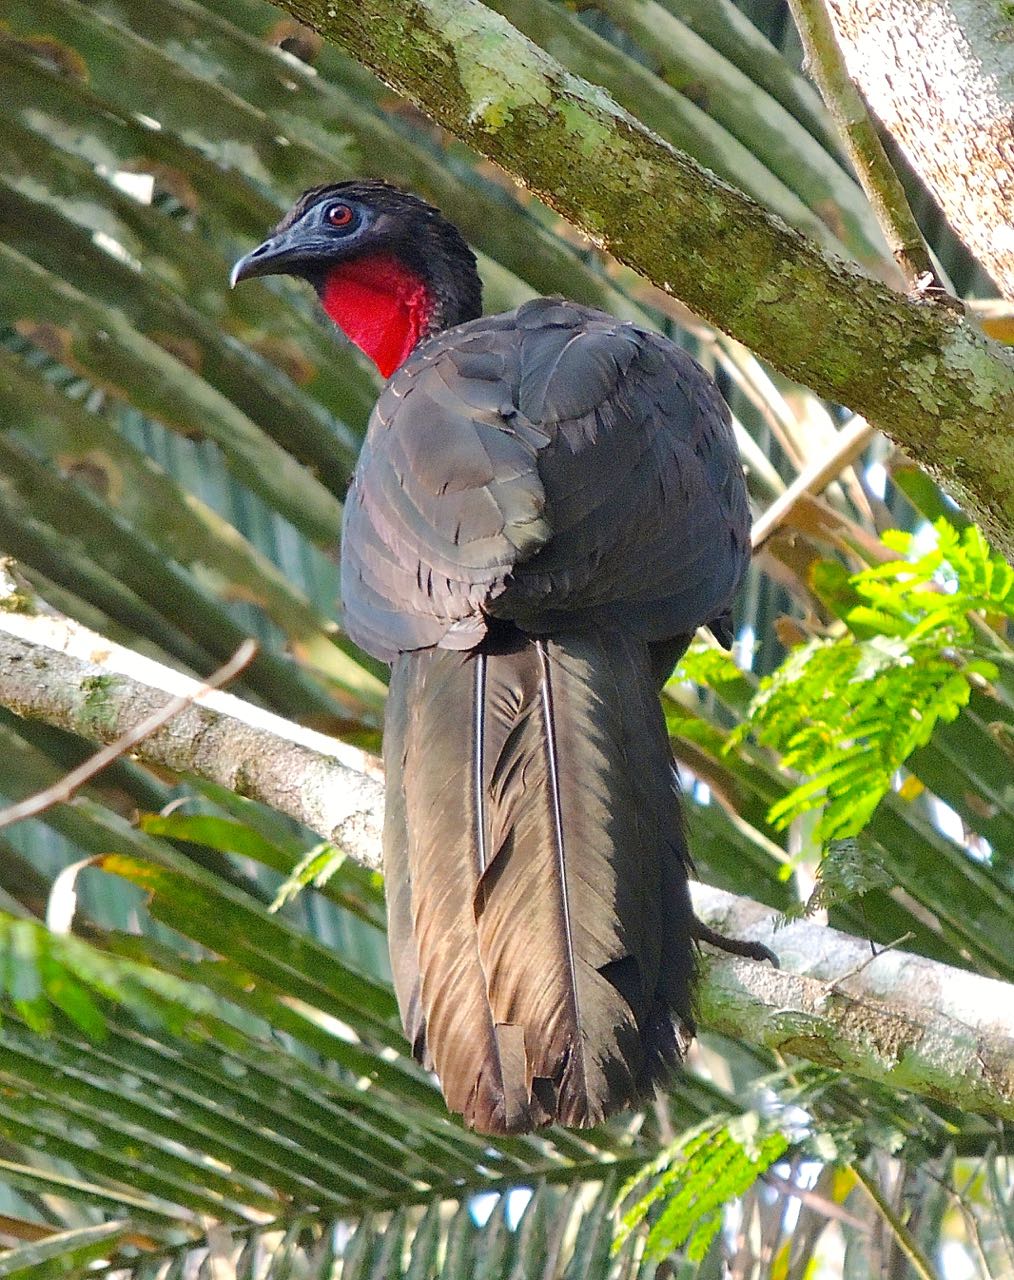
(382,306)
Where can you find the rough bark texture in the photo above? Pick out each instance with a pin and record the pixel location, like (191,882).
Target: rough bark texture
(940,76)
(882,185)
(914,369)
(901,1020)
(707,106)
(55,671)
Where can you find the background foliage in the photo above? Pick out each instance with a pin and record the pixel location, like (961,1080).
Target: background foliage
(208,1077)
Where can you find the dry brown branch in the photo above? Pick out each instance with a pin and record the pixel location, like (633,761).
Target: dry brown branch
(815,476)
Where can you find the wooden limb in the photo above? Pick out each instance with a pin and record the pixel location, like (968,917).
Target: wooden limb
(63,791)
(882,185)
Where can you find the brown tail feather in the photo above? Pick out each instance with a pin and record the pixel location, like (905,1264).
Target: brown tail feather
(540,925)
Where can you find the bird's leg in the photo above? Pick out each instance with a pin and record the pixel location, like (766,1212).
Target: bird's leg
(734,946)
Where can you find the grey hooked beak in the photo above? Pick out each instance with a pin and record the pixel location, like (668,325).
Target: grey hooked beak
(276,256)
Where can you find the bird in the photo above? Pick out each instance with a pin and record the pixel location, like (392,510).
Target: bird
(547,505)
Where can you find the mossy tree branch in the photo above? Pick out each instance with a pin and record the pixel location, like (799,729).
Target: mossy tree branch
(869,159)
(901,1020)
(914,369)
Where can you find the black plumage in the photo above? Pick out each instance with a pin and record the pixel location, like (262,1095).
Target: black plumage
(547,505)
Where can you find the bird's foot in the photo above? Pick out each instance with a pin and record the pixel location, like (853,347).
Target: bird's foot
(734,946)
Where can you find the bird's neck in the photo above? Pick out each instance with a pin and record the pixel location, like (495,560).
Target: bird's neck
(383,306)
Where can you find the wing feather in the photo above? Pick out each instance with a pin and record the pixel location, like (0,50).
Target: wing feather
(541,465)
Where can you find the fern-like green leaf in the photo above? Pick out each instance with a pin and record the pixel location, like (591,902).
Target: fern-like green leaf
(846,713)
(683,1192)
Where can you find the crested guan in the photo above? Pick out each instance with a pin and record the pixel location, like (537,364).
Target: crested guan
(548,504)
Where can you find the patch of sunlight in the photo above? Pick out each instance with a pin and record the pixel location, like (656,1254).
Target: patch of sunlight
(115,250)
(876,478)
(744,648)
(139,186)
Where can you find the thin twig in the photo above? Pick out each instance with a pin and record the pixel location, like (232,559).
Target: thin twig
(957,1198)
(815,476)
(826,66)
(748,374)
(815,1201)
(907,1243)
(61,792)
(865,964)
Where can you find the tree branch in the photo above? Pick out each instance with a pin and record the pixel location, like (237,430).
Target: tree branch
(53,670)
(869,159)
(939,74)
(62,792)
(901,1020)
(914,369)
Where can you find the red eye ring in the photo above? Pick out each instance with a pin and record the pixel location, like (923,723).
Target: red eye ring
(339,215)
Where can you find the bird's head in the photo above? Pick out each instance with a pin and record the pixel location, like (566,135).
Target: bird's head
(388,268)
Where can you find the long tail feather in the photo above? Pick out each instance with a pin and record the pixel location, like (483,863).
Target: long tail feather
(432,854)
(539,916)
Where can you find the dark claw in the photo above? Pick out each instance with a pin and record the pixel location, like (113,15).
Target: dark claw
(721,629)
(734,946)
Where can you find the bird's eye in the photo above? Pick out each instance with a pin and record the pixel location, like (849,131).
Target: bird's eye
(339,215)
